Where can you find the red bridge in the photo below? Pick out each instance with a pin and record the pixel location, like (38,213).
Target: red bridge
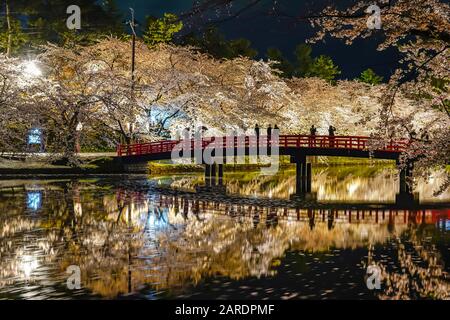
(352,146)
(298,147)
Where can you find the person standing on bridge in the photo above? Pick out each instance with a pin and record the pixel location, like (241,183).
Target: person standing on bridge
(312,136)
(257,131)
(276,132)
(269,139)
(269,133)
(331,131)
(257,138)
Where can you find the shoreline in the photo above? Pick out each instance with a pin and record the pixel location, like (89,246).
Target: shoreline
(107,166)
(48,173)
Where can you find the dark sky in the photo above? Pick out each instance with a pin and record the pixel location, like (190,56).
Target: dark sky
(265,30)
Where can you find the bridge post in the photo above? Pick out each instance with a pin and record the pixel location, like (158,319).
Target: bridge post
(405,177)
(220,170)
(207,174)
(406,195)
(213,174)
(303,176)
(308,177)
(298,177)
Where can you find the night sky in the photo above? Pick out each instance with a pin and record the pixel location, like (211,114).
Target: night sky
(265,31)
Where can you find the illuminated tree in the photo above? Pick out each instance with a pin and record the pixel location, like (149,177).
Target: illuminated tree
(11,37)
(370,77)
(161,30)
(280,62)
(213,42)
(420,31)
(13,122)
(323,67)
(304,60)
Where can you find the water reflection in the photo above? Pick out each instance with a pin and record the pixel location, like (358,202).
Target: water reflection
(131,240)
(338,183)
(34,200)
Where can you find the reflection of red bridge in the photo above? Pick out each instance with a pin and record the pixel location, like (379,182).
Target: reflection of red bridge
(195,204)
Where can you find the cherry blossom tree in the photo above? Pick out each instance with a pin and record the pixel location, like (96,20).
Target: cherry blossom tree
(420,31)
(13,122)
(191,89)
(76,90)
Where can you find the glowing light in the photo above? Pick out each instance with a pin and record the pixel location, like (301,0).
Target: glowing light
(31,69)
(35,136)
(34,200)
(352,187)
(28,264)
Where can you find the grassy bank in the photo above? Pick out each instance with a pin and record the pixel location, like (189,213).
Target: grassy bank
(102,165)
(110,165)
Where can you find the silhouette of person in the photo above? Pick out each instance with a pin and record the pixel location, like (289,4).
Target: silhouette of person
(276,131)
(312,136)
(269,139)
(257,130)
(269,133)
(331,131)
(257,138)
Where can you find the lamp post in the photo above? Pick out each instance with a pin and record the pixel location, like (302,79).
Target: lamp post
(133,24)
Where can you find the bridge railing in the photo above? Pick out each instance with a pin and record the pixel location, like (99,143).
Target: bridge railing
(286,141)
(339,142)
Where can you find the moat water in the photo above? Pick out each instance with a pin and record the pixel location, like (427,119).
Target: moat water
(161,237)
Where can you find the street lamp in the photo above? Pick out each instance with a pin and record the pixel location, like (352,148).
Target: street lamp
(133,26)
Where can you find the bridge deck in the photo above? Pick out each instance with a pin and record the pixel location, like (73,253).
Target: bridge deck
(356,146)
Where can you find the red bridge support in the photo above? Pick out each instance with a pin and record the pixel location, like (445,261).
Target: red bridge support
(213,175)
(303,176)
(406,195)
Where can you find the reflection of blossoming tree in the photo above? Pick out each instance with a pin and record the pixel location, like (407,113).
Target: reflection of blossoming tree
(340,183)
(414,280)
(123,242)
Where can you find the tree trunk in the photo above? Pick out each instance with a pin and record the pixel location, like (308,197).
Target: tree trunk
(125,136)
